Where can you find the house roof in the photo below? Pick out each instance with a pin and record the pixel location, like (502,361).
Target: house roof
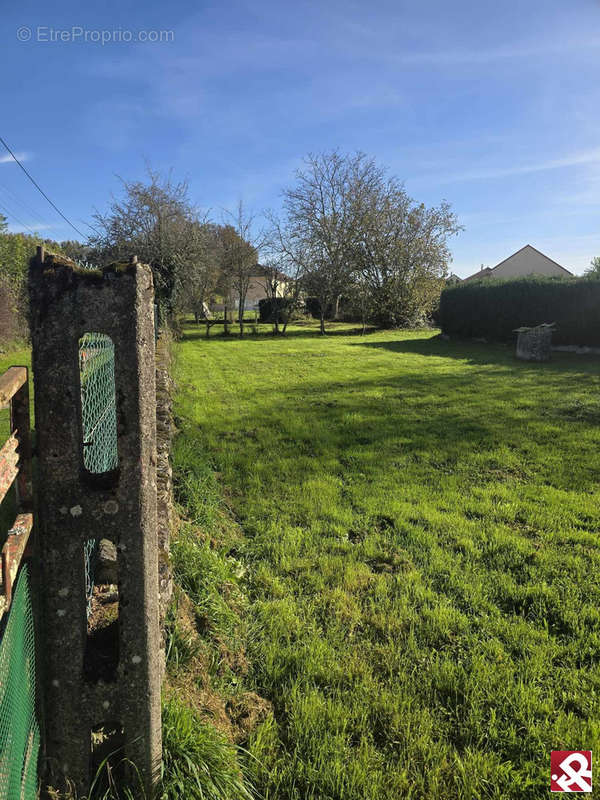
(487,271)
(263,272)
(482,273)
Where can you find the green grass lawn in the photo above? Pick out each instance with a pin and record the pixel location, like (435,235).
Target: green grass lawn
(420,557)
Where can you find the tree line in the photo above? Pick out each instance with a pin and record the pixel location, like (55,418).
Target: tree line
(16,250)
(347,233)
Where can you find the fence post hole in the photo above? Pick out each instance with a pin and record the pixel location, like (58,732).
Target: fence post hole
(95,411)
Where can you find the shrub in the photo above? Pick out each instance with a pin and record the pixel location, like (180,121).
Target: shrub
(494,308)
(12,322)
(274,309)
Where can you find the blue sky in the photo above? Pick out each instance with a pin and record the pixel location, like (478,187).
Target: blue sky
(494,106)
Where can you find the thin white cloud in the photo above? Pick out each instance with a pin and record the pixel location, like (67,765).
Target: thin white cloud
(581,158)
(6,158)
(17,227)
(510,52)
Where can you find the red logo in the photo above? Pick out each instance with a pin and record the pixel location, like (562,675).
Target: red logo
(571,771)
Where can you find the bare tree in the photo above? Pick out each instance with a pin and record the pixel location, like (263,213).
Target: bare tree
(286,265)
(240,255)
(199,276)
(361,301)
(360,233)
(402,252)
(155,220)
(323,213)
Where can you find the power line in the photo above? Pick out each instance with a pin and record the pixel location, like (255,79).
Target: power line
(89,226)
(16,219)
(14,198)
(39,188)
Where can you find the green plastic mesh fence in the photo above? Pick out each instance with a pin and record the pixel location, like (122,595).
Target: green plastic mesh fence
(98,407)
(99,416)
(19,728)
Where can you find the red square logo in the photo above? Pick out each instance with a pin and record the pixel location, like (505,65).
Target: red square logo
(571,771)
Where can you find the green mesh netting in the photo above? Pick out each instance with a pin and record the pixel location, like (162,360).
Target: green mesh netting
(99,416)
(98,408)
(19,728)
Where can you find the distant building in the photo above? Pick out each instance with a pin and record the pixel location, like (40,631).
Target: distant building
(453,279)
(257,289)
(526,261)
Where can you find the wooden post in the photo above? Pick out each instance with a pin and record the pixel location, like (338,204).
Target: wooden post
(20,423)
(225,323)
(14,551)
(15,467)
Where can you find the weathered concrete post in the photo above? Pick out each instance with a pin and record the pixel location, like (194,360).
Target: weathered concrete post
(534,344)
(101,684)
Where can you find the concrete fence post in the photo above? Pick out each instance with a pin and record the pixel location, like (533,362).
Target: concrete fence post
(102,668)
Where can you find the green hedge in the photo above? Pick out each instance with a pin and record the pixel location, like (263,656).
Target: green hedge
(273,309)
(494,308)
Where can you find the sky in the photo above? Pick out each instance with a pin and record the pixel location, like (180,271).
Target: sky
(492,106)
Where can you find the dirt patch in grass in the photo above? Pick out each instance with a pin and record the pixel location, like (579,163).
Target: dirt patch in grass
(193,680)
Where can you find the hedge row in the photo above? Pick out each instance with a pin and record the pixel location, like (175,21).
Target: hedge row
(494,308)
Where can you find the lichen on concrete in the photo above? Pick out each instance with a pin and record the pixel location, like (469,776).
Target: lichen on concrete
(66,302)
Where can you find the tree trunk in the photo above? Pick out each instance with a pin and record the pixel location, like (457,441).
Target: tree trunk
(322,327)
(290,311)
(337,306)
(241,315)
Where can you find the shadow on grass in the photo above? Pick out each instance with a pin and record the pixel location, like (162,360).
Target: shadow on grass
(297,332)
(482,424)
(448,414)
(482,353)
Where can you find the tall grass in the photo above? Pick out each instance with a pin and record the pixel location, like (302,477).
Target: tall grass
(198,762)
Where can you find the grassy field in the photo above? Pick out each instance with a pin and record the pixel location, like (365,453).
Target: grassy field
(420,555)
(391,554)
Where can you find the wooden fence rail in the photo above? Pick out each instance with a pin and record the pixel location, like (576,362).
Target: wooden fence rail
(15,465)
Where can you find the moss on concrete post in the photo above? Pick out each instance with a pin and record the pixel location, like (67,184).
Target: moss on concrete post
(76,506)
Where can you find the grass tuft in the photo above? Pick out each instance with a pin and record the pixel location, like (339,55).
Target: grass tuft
(198,762)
